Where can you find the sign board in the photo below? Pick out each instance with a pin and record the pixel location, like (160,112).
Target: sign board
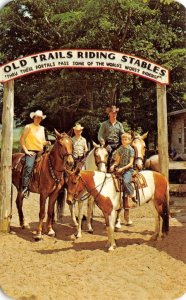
(83,58)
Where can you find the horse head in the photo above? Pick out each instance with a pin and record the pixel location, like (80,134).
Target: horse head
(74,186)
(139,147)
(64,144)
(101,157)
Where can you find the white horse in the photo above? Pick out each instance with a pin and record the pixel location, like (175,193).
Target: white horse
(96,160)
(102,188)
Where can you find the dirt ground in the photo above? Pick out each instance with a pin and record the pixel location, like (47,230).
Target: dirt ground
(60,268)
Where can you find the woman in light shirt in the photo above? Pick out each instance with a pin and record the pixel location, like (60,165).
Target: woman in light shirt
(32,141)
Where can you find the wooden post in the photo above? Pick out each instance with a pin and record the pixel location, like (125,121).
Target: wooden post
(6,156)
(162,130)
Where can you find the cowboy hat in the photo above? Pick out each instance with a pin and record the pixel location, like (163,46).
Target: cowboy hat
(37,113)
(78,127)
(112,108)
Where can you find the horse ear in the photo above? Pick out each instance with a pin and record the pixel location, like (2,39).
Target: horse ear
(68,172)
(132,134)
(77,171)
(57,133)
(95,145)
(144,135)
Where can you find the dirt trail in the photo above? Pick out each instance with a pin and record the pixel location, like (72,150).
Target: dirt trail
(59,268)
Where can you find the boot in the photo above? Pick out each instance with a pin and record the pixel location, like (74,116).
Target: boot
(134,199)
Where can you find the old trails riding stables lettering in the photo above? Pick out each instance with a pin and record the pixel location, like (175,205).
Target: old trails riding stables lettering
(80,58)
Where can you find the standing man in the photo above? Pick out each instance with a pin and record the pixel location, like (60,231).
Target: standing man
(79,144)
(111,130)
(32,141)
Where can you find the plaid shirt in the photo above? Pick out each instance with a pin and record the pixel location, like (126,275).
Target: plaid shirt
(111,133)
(125,153)
(79,146)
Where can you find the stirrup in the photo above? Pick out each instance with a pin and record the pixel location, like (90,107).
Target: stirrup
(134,199)
(25,192)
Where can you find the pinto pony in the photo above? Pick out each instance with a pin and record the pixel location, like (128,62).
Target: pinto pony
(102,188)
(96,160)
(47,179)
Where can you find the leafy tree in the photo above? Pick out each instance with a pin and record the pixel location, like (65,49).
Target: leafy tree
(151,29)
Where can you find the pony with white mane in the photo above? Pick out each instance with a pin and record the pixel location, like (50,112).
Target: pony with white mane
(101,187)
(96,160)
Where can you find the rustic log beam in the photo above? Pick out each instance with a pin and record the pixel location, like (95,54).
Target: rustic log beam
(6,156)
(162,129)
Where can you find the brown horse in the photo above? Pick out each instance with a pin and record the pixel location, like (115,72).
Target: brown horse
(47,179)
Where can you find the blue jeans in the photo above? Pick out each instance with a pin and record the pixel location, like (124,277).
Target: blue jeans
(127,177)
(27,169)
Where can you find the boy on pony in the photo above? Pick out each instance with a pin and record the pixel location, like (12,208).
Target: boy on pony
(123,164)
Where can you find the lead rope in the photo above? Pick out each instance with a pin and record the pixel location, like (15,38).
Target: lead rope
(85,196)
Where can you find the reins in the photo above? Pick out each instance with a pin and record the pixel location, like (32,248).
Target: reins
(51,168)
(88,193)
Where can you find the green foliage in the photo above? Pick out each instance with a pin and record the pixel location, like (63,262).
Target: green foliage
(151,29)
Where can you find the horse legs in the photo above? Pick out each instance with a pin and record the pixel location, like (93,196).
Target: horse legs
(126,211)
(41,218)
(72,212)
(118,221)
(110,231)
(127,217)
(80,216)
(19,204)
(158,235)
(51,204)
(90,204)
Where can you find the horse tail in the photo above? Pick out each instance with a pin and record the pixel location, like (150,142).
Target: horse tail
(165,213)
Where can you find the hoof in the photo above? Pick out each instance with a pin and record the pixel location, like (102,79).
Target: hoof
(154,237)
(77,235)
(51,233)
(90,230)
(73,237)
(38,237)
(129,223)
(25,226)
(112,248)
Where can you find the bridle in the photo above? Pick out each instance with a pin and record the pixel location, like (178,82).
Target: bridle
(100,161)
(137,157)
(75,194)
(63,157)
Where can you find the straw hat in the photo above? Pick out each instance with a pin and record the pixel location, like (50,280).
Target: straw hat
(78,127)
(112,108)
(37,113)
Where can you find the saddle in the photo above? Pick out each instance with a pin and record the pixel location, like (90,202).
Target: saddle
(138,180)
(37,165)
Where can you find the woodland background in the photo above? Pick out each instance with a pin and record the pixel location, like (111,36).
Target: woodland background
(153,30)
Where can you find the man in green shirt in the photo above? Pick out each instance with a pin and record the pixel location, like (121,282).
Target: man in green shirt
(111,130)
